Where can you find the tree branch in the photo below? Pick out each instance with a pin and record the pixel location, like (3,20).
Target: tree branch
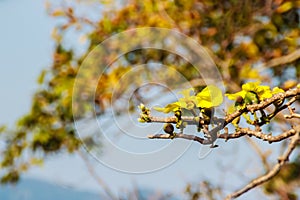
(274,171)
(213,134)
(178,135)
(283,59)
(258,134)
(263,155)
(93,173)
(173,119)
(263,104)
(240,133)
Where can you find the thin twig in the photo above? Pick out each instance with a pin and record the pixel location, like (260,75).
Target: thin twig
(173,119)
(177,135)
(283,59)
(261,154)
(240,133)
(91,170)
(292,114)
(274,171)
(277,110)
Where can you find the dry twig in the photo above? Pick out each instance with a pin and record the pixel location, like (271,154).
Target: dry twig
(91,170)
(274,171)
(283,59)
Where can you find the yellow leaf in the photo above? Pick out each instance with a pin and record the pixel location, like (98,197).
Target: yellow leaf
(248,72)
(58,13)
(252,49)
(36,161)
(285,7)
(42,77)
(289,84)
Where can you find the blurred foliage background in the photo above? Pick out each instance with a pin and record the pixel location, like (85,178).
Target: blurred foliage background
(248,40)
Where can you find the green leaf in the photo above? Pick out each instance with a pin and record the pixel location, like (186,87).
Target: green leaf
(2,129)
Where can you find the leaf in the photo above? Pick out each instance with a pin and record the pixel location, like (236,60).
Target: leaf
(250,49)
(285,7)
(2,129)
(41,78)
(247,72)
(58,13)
(289,84)
(36,161)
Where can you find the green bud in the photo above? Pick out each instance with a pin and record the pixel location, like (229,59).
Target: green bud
(141,120)
(178,114)
(142,107)
(178,124)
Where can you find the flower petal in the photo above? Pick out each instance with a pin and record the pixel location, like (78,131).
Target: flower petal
(170,107)
(209,97)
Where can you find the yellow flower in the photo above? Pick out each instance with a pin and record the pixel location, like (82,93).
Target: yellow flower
(262,91)
(209,97)
(170,107)
(277,90)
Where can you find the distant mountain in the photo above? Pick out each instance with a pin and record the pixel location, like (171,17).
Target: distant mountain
(29,189)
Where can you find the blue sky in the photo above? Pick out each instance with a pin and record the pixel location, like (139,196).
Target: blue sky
(26,49)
